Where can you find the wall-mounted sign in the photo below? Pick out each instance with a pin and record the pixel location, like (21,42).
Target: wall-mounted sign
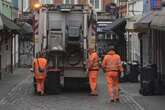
(102,16)
(103,27)
(155,4)
(146,6)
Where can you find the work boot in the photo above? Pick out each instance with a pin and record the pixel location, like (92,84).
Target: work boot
(117,100)
(93,93)
(39,93)
(112,100)
(42,93)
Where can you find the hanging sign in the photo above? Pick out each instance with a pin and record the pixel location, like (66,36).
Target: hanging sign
(155,4)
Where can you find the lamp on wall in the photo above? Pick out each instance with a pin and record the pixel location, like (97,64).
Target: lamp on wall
(37,6)
(155,4)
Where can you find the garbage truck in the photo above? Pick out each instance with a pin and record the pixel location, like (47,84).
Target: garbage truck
(63,37)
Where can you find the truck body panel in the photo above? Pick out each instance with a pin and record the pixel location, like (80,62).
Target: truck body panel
(64,36)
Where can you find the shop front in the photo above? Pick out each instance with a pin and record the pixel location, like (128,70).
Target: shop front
(152,48)
(8,30)
(110,32)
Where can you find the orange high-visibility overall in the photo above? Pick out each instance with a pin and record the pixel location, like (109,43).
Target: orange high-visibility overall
(40,77)
(93,68)
(112,65)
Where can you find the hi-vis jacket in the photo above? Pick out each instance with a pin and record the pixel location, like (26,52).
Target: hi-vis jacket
(39,62)
(93,62)
(112,62)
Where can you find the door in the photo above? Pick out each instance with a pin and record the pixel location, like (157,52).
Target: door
(25,53)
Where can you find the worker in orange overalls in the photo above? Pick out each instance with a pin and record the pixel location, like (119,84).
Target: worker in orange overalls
(112,66)
(93,70)
(39,65)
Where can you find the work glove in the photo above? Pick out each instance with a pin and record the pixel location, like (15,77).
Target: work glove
(121,74)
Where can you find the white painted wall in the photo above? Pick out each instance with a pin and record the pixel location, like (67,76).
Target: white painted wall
(134,42)
(135,47)
(15,50)
(25,5)
(137,6)
(94,2)
(116,1)
(42,31)
(145,49)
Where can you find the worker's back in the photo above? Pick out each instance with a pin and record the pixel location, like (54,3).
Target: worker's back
(93,61)
(40,63)
(112,62)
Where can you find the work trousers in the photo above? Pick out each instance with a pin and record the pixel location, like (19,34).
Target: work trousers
(112,78)
(93,80)
(40,83)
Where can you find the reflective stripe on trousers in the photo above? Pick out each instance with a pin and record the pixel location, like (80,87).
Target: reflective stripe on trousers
(40,81)
(113,84)
(93,80)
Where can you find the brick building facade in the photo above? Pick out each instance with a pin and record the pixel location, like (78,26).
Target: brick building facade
(100,3)
(71,1)
(57,1)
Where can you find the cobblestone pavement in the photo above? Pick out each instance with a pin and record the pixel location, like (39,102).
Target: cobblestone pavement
(21,97)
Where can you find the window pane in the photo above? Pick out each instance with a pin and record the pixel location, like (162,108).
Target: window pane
(72,1)
(92,2)
(67,1)
(96,4)
(15,3)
